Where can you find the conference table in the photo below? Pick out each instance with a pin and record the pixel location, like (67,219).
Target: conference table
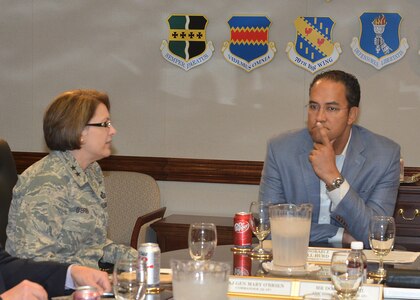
(254,267)
(243,265)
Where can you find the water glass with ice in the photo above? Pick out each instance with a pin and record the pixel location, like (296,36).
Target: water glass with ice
(200,280)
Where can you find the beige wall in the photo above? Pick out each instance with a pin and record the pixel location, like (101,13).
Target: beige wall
(213,111)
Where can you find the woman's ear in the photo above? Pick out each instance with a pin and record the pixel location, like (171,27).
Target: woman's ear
(83,136)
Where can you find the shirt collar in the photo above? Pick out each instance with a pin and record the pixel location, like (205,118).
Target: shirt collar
(347,145)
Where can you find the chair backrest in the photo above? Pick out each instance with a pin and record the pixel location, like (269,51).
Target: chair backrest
(129,195)
(8,178)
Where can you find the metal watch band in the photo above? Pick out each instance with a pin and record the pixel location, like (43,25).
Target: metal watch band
(336,183)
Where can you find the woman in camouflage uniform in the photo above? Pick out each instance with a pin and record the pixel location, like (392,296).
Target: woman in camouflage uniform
(58,211)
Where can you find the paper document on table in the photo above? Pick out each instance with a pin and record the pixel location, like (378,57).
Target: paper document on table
(399,257)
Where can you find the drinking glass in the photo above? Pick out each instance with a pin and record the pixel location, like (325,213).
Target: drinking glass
(381,240)
(202,240)
(346,275)
(129,279)
(200,280)
(260,226)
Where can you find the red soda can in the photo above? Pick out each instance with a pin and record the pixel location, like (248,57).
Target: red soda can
(242,236)
(242,264)
(86,293)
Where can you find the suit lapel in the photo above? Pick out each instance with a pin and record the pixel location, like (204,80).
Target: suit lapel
(310,180)
(354,161)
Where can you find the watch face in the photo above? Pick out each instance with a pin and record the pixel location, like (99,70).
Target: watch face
(335,184)
(338,182)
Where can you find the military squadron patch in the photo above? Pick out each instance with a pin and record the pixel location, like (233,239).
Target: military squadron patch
(380,43)
(186,46)
(249,47)
(314,49)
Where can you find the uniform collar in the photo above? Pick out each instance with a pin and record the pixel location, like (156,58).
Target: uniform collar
(89,176)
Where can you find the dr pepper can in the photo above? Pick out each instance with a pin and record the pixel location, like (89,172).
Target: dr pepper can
(242,235)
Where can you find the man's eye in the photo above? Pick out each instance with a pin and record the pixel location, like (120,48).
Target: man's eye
(313,107)
(332,108)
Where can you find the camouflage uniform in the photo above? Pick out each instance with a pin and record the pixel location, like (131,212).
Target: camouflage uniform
(58,213)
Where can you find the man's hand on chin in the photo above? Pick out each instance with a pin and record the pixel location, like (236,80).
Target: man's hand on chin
(322,157)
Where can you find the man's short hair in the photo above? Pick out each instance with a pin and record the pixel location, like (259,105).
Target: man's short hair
(350,82)
(67,116)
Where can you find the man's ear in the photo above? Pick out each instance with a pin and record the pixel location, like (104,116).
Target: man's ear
(353,115)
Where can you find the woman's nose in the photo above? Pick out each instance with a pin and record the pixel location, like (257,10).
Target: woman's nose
(112,130)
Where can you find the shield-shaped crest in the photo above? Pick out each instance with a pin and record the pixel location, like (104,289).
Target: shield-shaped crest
(314,49)
(249,47)
(186,46)
(379,43)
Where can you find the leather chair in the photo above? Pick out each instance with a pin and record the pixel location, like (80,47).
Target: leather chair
(8,178)
(133,203)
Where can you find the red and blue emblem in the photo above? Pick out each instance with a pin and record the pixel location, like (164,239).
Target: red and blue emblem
(379,44)
(249,47)
(187,47)
(314,49)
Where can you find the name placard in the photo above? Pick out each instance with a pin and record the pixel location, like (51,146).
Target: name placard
(322,255)
(259,285)
(264,286)
(366,291)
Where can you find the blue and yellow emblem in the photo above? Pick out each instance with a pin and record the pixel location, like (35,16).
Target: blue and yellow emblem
(314,49)
(249,47)
(187,47)
(380,43)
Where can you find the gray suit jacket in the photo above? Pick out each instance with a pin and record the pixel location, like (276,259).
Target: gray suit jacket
(371,168)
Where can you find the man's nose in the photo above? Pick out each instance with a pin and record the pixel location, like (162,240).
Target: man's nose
(320,114)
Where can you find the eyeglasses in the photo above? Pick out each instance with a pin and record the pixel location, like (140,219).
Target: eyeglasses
(105,124)
(329,109)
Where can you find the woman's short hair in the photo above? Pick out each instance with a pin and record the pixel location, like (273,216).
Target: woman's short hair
(67,116)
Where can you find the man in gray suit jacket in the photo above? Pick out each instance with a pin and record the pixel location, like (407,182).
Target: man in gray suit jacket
(345,171)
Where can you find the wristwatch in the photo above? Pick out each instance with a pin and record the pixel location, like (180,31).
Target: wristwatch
(335,184)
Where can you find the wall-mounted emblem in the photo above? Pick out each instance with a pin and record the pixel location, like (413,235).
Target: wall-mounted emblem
(380,43)
(186,46)
(314,49)
(249,47)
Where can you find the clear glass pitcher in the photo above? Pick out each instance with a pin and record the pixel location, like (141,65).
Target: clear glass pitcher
(290,229)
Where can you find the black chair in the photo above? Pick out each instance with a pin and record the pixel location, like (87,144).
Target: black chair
(8,178)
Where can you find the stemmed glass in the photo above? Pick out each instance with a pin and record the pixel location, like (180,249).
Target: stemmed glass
(129,279)
(260,226)
(346,275)
(202,240)
(381,240)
